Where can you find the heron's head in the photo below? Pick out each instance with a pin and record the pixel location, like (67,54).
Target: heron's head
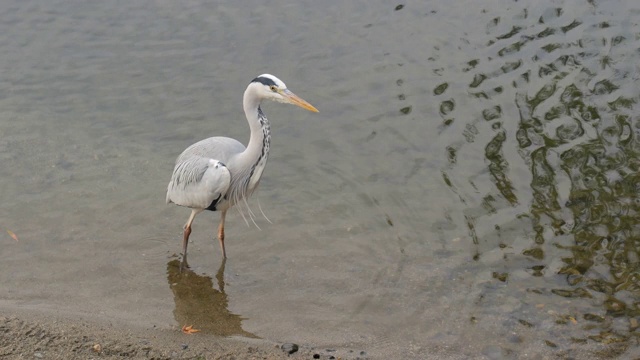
(270,87)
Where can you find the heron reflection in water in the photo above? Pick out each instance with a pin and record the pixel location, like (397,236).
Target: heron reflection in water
(201,305)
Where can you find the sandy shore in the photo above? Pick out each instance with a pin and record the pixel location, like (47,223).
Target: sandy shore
(41,336)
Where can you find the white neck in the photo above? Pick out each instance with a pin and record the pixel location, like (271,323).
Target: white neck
(251,103)
(251,162)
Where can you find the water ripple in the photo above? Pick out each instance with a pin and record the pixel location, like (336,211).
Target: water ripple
(562,122)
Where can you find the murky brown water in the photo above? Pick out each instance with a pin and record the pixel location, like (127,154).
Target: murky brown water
(468,189)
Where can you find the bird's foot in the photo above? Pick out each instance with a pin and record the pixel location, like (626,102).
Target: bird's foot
(183,264)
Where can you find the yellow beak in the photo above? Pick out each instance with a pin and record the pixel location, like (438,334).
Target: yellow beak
(296,100)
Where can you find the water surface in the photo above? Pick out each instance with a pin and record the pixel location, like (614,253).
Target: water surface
(468,188)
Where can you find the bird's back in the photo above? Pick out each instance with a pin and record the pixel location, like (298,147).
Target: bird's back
(220,148)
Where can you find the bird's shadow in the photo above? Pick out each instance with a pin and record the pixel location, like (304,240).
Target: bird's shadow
(199,304)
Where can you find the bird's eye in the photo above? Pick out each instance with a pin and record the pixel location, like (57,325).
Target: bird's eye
(273,88)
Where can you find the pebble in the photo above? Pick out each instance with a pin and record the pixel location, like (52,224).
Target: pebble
(184,346)
(316,356)
(406,110)
(289,348)
(38,355)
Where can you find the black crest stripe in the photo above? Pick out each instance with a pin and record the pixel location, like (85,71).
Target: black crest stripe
(264,80)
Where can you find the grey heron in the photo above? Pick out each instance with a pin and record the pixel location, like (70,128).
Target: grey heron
(216,173)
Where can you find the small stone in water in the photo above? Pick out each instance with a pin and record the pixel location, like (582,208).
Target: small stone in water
(184,346)
(289,348)
(406,110)
(38,355)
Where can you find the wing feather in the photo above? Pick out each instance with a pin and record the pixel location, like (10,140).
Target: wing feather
(198,182)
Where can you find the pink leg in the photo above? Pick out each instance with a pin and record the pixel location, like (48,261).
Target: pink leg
(185,239)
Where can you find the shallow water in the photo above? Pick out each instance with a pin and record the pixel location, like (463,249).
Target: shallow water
(468,189)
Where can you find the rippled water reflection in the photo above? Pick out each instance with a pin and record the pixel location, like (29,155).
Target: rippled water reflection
(468,189)
(558,92)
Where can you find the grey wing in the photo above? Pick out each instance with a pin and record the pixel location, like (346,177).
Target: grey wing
(198,182)
(219,148)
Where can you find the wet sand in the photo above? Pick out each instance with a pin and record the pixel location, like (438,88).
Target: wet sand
(28,335)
